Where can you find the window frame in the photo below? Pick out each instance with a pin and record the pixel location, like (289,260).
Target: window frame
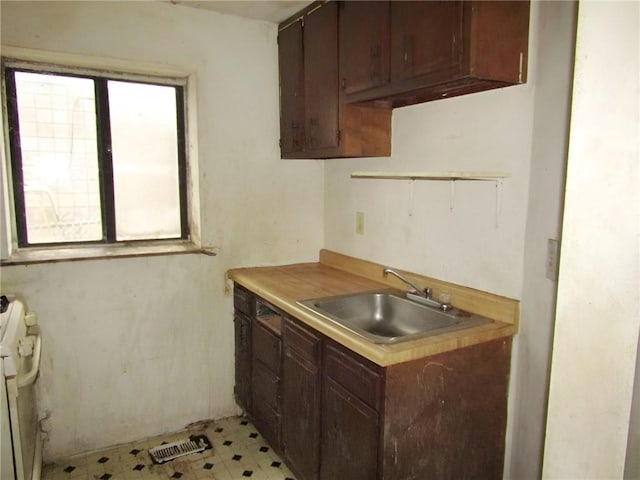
(103,145)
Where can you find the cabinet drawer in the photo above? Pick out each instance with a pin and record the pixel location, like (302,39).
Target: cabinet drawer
(351,372)
(266,346)
(242,300)
(302,343)
(266,385)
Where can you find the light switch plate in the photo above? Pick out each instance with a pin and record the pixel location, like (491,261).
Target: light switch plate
(360,223)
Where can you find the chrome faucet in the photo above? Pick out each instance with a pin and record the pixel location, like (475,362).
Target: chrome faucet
(424,292)
(422,295)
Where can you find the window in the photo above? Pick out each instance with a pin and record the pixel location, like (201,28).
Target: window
(96,159)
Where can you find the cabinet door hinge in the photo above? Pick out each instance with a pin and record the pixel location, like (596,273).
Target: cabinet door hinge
(280,142)
(339,136)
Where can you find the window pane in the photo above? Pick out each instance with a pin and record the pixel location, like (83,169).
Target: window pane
(57,122)
(144,142)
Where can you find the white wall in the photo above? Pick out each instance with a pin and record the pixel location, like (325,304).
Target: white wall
(598,309)
(532,352)
(135,347)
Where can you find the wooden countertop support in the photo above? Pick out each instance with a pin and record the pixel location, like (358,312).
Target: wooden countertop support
(338,274)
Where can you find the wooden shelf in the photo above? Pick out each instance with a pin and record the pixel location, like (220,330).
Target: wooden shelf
(451,177)
(482,176)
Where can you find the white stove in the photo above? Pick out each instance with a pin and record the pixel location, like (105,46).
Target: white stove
(20,346)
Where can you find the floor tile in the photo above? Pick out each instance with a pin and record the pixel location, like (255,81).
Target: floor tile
(239,452)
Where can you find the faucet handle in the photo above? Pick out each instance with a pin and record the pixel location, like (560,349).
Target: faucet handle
(445,300)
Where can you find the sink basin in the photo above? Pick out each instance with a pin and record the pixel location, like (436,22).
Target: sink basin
(385,317)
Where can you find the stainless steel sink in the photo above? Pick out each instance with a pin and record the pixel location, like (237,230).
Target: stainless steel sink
(385,317)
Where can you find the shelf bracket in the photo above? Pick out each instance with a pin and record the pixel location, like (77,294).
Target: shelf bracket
(498,183)
(412,187)
(452,194)
(496,177)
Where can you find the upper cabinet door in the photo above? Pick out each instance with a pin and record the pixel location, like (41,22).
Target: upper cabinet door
(364,45)
(291,89)
(426,39)
(499,36)
(321,77)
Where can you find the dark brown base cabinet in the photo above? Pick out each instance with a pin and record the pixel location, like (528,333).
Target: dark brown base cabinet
(340,416)
(243,312)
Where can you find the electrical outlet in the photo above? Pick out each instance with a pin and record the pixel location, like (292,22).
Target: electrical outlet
(552,259)
(360,223)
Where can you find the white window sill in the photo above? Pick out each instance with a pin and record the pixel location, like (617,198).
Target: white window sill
(24,256)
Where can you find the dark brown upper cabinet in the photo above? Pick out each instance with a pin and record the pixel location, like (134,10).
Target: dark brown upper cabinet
(321,97)
(314,121)
(345,65)
(428,50)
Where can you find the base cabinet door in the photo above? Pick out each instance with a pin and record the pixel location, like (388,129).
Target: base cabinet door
(243,303)
(349,436)
(301,400)
(243,373)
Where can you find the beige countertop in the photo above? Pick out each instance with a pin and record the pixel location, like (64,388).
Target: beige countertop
(337,274)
